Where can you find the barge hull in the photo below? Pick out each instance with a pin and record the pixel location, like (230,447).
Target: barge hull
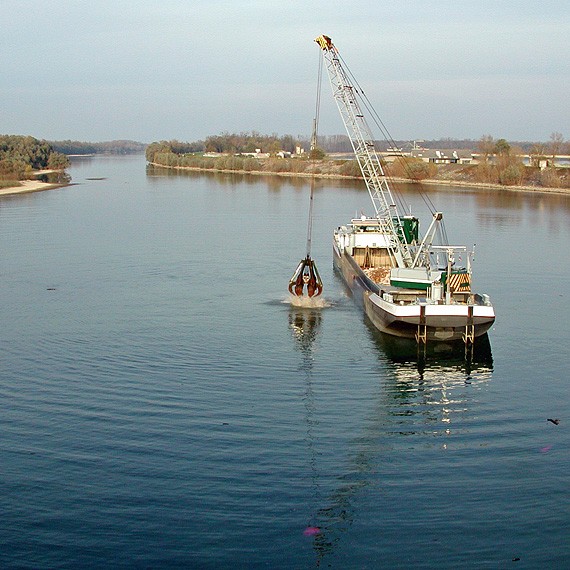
(442,322)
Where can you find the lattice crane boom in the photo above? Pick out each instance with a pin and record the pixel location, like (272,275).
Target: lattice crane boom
(345,95)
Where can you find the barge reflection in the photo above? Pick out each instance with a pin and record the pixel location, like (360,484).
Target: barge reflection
(455,356)
(420,400)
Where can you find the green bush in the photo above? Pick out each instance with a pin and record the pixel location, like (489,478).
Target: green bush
(511,175)
(7,183)
(350,168)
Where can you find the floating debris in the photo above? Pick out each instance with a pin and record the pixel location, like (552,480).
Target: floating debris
(555,421)
(311,531)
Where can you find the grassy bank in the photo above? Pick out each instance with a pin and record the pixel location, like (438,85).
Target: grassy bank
(9,184)
(473,175)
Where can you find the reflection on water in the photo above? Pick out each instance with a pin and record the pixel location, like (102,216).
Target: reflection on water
(423,399)
(429,391)
(435,355)
(502,200)
(143,405)
(304,322)
(274,182)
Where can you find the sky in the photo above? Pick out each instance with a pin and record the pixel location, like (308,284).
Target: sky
(150,70)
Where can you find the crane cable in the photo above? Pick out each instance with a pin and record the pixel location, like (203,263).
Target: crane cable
(388,137)
(306,279)
(314,141)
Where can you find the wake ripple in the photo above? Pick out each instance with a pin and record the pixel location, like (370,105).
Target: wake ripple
(307,302)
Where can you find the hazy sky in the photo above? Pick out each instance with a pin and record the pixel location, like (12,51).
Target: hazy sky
(161,69)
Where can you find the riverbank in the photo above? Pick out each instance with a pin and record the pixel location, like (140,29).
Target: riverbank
(336,176)
(35,185)
(484,185)
(29,186)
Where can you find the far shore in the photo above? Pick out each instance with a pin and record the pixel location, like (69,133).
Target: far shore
(27,186)
(435,181)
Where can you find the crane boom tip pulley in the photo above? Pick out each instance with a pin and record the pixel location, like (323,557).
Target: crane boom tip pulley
(325,42)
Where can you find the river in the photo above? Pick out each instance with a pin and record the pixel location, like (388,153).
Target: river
(162,403)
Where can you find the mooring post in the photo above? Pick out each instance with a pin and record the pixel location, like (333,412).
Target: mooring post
(421,334)
(469,334)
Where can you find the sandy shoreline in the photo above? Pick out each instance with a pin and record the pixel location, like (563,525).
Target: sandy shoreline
(29,186)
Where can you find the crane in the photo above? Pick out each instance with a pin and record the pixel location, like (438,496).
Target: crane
(403,247)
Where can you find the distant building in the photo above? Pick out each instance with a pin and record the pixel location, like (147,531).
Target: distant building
(443,156)
(256,154)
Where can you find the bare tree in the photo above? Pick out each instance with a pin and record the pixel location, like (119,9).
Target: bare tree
(486,146)
(537,153)
(556,141)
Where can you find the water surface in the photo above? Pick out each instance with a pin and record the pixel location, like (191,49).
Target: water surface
(162,404)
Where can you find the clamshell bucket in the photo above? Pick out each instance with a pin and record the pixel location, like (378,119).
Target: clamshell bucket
(306,280)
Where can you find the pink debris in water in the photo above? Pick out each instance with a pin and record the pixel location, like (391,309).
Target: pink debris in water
(545,449)
(311,531)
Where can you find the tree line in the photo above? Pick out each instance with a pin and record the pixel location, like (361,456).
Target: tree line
(499,162)
(229,143)
(70,147)
(21,155)
(236,143)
